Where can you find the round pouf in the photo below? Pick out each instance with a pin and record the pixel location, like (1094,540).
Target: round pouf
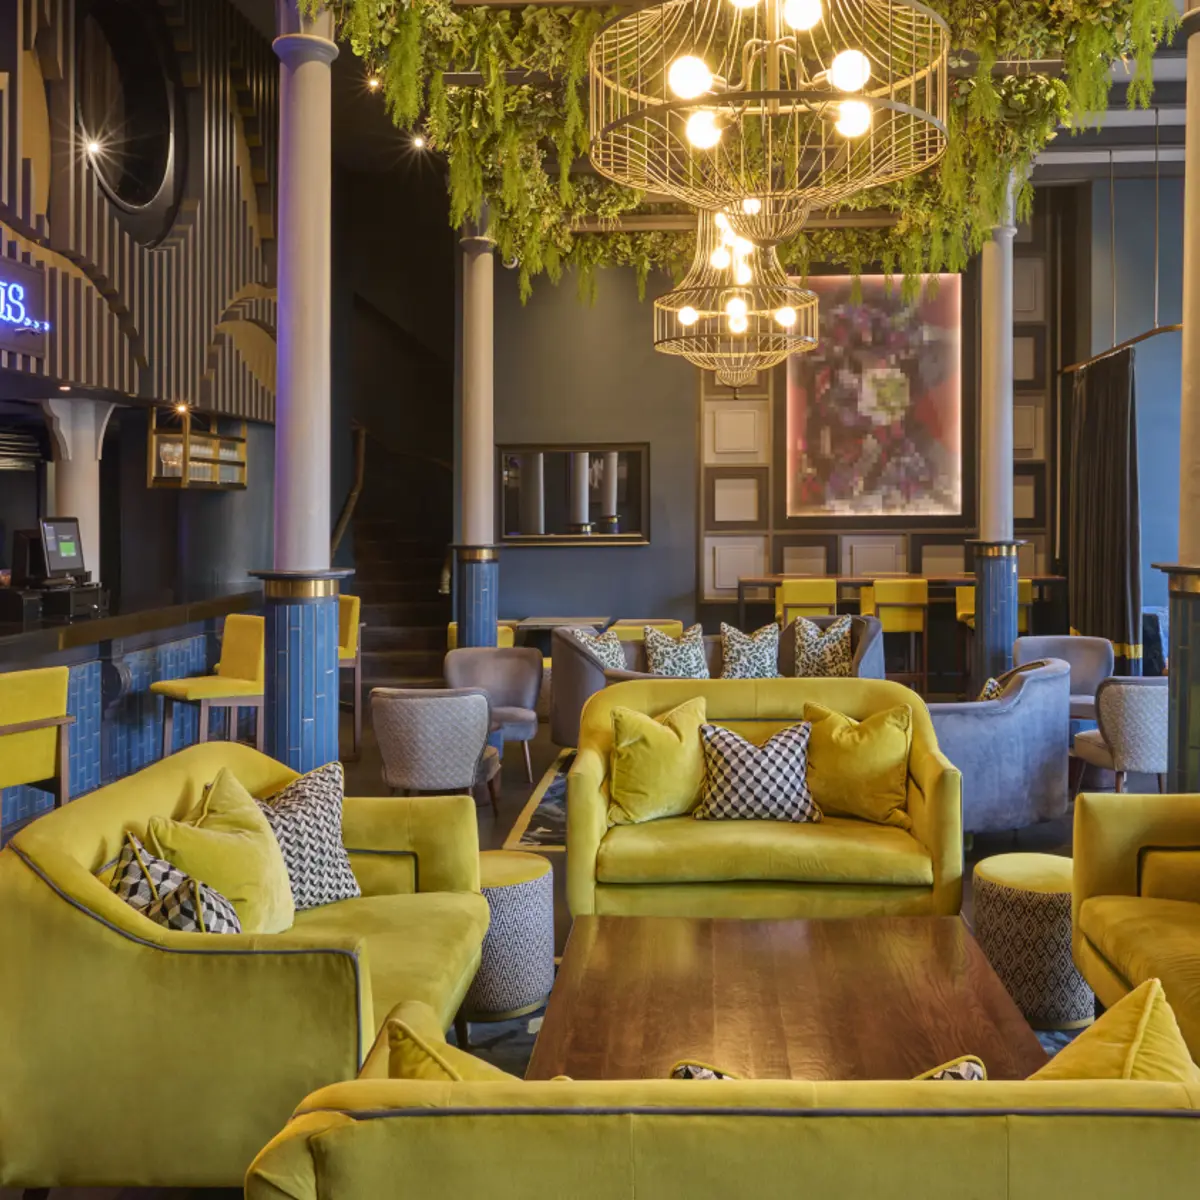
(516,971)
(1023,925)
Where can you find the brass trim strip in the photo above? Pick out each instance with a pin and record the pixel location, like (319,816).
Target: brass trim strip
(997,550)
(477,554)
(300,589)
(1184,585)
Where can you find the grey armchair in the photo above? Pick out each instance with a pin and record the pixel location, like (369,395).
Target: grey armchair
(1132,713)
(1012,751)
(579,675)
(435,740)
(512,678)
(1091,661)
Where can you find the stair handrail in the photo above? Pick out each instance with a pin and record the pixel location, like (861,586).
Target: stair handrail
(360,470)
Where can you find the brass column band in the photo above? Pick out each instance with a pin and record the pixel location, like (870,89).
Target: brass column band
(477,554)
(299,589)
(1184,585)
(997,550)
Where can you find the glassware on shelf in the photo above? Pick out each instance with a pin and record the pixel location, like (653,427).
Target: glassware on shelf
(170,454)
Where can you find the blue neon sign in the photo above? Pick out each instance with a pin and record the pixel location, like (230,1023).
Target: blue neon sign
(13,310)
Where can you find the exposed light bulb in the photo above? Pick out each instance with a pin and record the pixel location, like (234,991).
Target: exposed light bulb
(743,274)
(702,129)
(721,221)
(93,147)
(743,3)
(721,258)
(801,14)
(742,246)
(181,408)
(735,307)
(752,206)
(689,77)
(738,324)
(64,387)
(854,118)
(688,315)
(418,142)
(785,316)
(373,83)
(850,71)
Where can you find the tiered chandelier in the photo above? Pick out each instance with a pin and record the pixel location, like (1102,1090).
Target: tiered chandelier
(767,108)
(736,312)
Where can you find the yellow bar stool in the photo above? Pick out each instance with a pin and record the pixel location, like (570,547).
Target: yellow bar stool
(237,684)
(902,606)
(350,629)
(34,731)
(805,598)
(964,605)
(506,634)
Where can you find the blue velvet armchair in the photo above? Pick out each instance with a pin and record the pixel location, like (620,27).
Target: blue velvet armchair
(1012,751)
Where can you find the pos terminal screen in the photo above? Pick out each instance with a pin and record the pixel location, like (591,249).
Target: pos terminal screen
(64,551)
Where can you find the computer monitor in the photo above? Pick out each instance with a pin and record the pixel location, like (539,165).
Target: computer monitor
(62,547)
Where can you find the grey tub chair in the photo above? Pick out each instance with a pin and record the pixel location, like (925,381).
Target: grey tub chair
(1012,751)
(1091,661)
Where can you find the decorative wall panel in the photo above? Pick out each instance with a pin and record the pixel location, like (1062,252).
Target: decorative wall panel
(190,317)
(728,558)
(737,432)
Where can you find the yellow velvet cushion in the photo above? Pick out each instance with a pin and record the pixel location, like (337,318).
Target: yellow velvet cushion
(657,763)
(418,1050)
(1138,1038)
(229,845)
(860,768)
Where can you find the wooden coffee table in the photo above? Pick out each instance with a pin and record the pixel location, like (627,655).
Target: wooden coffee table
(876,998)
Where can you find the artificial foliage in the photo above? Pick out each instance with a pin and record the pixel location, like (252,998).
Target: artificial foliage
(502,94)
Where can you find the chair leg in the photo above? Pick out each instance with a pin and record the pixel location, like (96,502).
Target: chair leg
(203,721)
(493,787)
(168,725)
(260,725)
(1120,777)
(231,731)
(1077,767)
(1162,784)
(528,762)
(358,702)
(63,789)
(462,1032)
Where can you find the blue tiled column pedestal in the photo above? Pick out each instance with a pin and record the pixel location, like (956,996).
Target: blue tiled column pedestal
(1183,742)
(995,610)
(477,598)
(301,610)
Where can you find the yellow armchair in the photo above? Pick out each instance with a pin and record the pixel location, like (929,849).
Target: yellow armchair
(34,742)
(108,1014)
(1136,899)
(350,629)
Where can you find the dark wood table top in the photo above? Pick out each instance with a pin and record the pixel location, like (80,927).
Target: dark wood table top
(876,998)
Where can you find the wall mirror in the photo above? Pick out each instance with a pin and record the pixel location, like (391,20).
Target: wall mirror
(585,495)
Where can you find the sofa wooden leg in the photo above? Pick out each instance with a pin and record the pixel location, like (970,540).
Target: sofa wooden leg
(1162,784)
(1120,781)
(462,1032)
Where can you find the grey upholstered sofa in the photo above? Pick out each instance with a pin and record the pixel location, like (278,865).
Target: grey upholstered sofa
(579,675)
(1012,751)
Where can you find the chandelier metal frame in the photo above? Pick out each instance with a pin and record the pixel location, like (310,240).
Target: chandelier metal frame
(776,137)
(694,319)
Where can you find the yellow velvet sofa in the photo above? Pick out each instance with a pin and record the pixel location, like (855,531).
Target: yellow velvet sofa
(839,867)
(1136,899)
(137,1055)
(689,1140)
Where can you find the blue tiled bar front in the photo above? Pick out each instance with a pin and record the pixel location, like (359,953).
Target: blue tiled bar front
(118,721)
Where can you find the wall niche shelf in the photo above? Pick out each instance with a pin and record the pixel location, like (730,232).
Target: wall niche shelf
(193,450)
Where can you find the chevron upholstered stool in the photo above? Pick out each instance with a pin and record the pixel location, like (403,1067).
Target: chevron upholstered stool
(516,971)
(1023,925)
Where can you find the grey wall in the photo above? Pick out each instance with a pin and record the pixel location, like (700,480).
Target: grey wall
(1157,361)
(567,372)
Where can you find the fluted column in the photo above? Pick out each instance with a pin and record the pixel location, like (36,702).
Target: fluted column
(477,596)
(995,550)
(1184,575)
(301,593)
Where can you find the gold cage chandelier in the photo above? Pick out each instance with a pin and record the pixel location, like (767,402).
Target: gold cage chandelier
(768,107)
(736,312)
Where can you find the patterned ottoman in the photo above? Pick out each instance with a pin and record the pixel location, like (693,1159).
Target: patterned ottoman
(517,969)
(1023,924)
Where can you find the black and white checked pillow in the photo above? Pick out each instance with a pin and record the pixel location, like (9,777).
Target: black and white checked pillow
(823,653)
(682,659)
(306,818)
(967,1069)
(140,878)
(743,781)
(605,646)
(750,655)
(194,907)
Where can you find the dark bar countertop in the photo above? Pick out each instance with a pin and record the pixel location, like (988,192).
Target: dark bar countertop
(130,618)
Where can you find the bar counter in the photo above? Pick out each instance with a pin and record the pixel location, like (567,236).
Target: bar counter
(113,660)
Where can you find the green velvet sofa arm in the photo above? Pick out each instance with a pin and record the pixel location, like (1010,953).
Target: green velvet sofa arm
(587,823)
(935,807)
(1115,836)
(401,844)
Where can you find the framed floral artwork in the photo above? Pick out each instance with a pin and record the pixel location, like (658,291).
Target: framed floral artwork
(874,414)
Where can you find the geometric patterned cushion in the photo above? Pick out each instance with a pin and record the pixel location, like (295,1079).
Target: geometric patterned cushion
(306,818)
(687,1069)
(194,907)
(677,659)
(605,646)
(992,690)
(823,653)
(750,655)
(140,878)
(743,781)
(967,1069)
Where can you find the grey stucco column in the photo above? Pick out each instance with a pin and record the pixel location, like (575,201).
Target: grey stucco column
(306,49)
(1184,575)
(608,521)
(477,595)
(995,549)
(581,467)
(533,493)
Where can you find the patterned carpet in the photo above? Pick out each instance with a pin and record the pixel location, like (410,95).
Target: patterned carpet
(542,824)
